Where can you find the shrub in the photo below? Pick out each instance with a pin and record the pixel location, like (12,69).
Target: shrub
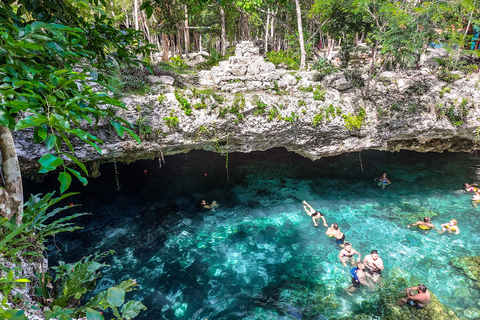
(178,62)
(353,122)
(287,58)
(184,104)
(319,95)
(172,120)
(324,67)
(261,107)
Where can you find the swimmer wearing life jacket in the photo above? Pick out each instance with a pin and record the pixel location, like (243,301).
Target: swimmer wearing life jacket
(383,181)
(334,231)
(316,215)
(203,204)
(426,224)
(450,227)
(358,277)
(471,187)
(476,196)
(347,255)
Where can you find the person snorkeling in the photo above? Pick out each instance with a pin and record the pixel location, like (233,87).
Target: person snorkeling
(334,231)
(358,277)
(450,227)
(383,181)
(203,204)
(426,224)
(316,215)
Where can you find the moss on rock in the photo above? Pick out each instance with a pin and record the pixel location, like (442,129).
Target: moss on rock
(470,266)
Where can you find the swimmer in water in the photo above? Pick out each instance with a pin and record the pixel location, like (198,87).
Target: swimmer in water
(476,196)
(471,187)
(316,215)
(450,227)
(426,224)
(374,265)
(347,255)
(419,300)
(203,204)
(383,181)
(358,277)
(334,231)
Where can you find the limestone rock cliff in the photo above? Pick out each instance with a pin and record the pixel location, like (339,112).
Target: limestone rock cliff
(245,104)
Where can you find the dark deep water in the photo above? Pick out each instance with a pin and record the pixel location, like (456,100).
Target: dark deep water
(258,255)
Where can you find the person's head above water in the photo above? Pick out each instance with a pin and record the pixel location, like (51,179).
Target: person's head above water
(422,288)
(374,254)
(426,219)
(347,246)
(453,222)
(360,266)
(202,203)
(318,213)
(335,226)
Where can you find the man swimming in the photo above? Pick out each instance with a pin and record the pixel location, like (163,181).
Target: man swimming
(347,254)
(419,300)
(334,231)
(426,224)
(316,215)
(374,265)
(450,227)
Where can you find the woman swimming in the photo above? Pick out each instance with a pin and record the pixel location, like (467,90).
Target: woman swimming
(451,227)
(316,215)
(471,187)
(203,204)
(383,181)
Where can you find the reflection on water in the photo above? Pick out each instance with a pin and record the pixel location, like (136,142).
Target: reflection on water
(258,255)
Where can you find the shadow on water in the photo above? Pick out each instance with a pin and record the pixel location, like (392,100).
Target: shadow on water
(258,256)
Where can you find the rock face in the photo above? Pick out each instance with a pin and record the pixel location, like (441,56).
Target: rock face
(469,265)
(251,106)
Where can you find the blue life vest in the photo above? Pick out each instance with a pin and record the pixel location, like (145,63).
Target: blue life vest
(353,272)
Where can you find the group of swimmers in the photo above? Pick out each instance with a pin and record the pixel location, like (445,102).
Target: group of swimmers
(368,271)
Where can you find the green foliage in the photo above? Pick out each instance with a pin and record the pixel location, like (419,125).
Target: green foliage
(184,104)
(237,107)
(261,107)
(171,121)
(396,107)
(323,67)
(277,89)
(443,91)
(200,105)
(178,62)
(327,114)
(291,118)
(455,114)
(142,126)
(288,59)
(355,77)
(447,76)
(213,58)
(161,98)
(319,95)
(302,103)
(7,284)
(353,122)
(306,89)
(273,113)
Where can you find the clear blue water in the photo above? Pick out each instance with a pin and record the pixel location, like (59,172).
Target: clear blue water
(258,256)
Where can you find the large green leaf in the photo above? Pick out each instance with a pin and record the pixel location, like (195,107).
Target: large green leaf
(132,308)
(65,180)
(115,296)
(94,315)
(51,141)
(49,162)
(78,176)
(31,121)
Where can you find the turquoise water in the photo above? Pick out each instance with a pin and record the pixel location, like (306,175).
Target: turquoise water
(258,256)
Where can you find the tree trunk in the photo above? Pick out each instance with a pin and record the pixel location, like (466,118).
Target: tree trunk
(266,30)
(303,53)
(186,33)
(135,14)
(165,46)
(11,195)
(179,43)
(223,35)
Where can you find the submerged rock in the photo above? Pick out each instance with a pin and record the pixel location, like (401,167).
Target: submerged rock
(470,266)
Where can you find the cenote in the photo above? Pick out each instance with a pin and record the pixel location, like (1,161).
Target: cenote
(258,256)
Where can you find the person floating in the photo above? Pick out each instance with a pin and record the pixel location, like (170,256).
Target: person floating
(426,224)
(450,227)
(419,300)
(374,265)
(476,196)
(316,215)
(203,204)
(347,253)
(471,187)
(358,277)
(383,181)
(334,231)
